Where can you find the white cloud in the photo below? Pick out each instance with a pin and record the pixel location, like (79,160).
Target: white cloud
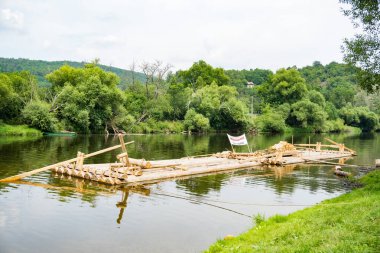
(11,19)
(230,34)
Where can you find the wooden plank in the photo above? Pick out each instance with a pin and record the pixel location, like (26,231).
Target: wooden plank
(333,142)
(29,173)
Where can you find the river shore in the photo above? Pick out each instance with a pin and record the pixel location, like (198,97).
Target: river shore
(348,223)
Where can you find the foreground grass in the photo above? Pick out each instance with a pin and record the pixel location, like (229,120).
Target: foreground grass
(349,223)
(19,130)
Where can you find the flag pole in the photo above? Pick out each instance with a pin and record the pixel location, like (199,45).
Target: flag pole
(233,150)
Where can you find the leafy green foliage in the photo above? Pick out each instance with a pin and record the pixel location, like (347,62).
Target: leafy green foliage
(221,106)
(201,74)
(196,122)
(271,122)
(37,114)
(363,51)
(16,90)
(286,86)
(19,130)
(40,69)
(360,117)
(305,113)
(317,98)
(87,99)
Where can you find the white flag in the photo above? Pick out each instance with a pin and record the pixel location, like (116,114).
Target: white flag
(238,140)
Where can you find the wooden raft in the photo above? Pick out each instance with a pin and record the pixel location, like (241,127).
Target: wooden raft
(138,171)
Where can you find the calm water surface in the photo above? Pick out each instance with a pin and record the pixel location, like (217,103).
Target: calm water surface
(47,213)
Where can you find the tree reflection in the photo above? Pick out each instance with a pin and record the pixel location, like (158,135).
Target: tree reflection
(203,185)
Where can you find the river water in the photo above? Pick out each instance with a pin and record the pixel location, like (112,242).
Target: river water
(51,213)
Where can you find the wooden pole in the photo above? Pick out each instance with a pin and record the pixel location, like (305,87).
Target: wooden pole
(124,149)
(233,150)
(29,173)
(121,139)
(249,149)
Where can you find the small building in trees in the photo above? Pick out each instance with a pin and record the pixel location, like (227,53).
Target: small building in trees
(250,84)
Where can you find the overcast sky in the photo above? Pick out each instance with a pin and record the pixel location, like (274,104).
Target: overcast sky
(230,34)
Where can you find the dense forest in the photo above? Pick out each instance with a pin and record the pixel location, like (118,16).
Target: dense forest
(41,68)
(89,98)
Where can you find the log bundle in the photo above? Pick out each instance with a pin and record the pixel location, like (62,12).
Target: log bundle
(114,174)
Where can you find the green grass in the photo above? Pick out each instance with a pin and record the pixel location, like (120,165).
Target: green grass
(18,130)
(348,223)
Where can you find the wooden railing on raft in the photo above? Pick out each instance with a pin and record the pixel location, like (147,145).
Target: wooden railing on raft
(318,146)
(79,161)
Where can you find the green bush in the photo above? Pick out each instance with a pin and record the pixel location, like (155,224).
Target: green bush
(196,122)
(20,130)
(270,122)
(307,114)
(360,117)
(335,126)
(37,114)
(153,126)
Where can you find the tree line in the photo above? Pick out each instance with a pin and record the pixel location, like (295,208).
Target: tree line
(88,99)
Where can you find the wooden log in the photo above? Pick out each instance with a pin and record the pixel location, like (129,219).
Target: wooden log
(29,173)
(109,180)
(87,175)
(342,173)
(68,171)
(61,169)
(140,162)
(315,145)
(75,173)
(99,172)
(92,170)
(377,163)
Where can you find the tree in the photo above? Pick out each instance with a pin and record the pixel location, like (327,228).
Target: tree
(87,99)
(286,86)
(200,74)
(37,114)
(16,90)
(221,106)
(317,97)
(363,51)
(305,114)
(270,122)
(360,117)
(196,122)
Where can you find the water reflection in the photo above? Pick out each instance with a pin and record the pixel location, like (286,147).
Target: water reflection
(197,210)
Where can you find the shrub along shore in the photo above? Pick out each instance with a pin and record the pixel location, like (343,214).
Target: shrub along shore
(88,99)
(348,223)
(19,130)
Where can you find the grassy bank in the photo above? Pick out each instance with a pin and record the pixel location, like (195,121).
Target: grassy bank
(349,223)
(18,130)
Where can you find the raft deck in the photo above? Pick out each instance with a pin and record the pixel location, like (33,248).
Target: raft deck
(129,171)
(188,166)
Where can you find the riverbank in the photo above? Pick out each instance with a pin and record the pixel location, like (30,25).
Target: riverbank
(348,223)
(18,130)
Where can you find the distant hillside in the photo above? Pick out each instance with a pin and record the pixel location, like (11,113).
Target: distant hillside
(40,68)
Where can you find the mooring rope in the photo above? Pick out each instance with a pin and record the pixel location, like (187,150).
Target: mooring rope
(228,202)
(205,203)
